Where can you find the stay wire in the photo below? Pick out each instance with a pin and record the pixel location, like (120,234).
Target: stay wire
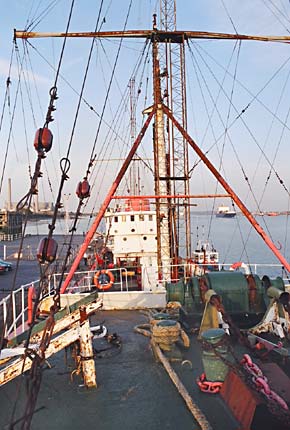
(10,129)
(37,20)
(109,87)
(8,83)
(122,108)
(81,198)
(82,91)
(225,125)
(9,310)
(39,359)
(240,116)
(277,13)
(226,131)
(280,139)
(254,96)
(229,16)
(89,105)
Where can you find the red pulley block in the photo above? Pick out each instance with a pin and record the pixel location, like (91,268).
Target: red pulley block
(83,189)
(43,140)
(46,251)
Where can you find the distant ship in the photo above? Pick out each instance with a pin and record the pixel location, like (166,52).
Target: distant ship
(225,212)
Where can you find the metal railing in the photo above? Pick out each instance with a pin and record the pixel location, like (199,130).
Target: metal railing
(13,311)
(13,308)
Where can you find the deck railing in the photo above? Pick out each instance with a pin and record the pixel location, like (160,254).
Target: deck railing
(13,308)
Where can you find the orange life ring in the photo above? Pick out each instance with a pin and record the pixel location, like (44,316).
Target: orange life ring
(105,273)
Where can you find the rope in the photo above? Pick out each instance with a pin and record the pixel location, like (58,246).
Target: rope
(148,330)
(165,336)
(193,408)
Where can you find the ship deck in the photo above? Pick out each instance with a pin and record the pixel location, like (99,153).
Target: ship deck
(133,390)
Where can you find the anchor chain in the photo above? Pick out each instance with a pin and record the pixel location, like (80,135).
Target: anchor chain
(253,377)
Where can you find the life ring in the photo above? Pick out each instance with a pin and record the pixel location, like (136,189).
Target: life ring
(238,265)
(104,279)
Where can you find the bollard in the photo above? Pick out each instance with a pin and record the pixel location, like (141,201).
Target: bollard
(214,366)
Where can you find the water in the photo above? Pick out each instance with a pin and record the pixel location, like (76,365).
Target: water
(234,238)
(62,226)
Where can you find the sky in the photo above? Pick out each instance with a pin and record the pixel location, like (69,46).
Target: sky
(259,91)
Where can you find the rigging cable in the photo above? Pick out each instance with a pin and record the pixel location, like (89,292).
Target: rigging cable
(93,156)
(227,129)
(225,125)
(240,116)
(83,190)
(89,105)
(33,384)
(229,16)
(36,20)
(122,109)
(276,15)
(11,123)
(8,83)
(273,114)
(254,96)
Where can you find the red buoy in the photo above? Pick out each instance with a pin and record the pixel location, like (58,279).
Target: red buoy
(83,189)
(43,140)
(46,251)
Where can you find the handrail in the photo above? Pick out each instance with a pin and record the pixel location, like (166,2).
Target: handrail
(18,299)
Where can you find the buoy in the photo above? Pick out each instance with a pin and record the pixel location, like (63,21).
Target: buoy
(104,280)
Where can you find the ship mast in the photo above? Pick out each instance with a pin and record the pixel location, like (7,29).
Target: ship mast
(133,177)
(160,170)
(172,65)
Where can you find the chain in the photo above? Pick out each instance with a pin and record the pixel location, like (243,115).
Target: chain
(253,377)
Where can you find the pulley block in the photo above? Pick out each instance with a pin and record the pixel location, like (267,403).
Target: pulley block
(83,189)
(47,250)
(43,140)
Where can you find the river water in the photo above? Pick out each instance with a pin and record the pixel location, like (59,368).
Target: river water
(234,238)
